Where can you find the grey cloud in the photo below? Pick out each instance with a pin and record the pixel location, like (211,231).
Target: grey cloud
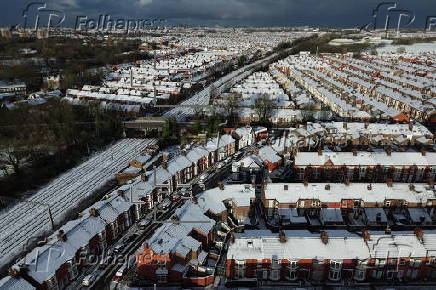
(343,13)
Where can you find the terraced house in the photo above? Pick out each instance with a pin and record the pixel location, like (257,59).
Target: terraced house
(365,166)
(331,257)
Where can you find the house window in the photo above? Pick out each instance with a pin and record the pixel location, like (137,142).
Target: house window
(390,275)
(274,263)
(334,275)
(335,265)
(292,275)
(335,271)
(359,275)
(275,275)
(415,263)
(240,269)
(293,264)
(162,279)
(402,262)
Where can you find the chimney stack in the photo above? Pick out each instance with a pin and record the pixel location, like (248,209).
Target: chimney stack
(366,235)
(282,237)
(93,212)
(389,151)
(419,234)
(62,236)
(388,230)
(324,238)
(389,182)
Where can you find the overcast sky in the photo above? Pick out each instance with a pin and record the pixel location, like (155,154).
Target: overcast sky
(323,13)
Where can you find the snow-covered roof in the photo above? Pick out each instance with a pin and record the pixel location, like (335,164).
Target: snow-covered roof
(267,153)
(44,261)
(336,192)
(213,199)
(341,245)
(366,159)
(174,237)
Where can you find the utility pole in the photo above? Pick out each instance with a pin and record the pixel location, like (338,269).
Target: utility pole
(50,215)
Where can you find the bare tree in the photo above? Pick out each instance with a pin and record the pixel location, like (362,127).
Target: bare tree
(264,107)
(232,104)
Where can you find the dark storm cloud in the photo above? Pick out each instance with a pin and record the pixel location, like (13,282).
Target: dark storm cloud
(325,13)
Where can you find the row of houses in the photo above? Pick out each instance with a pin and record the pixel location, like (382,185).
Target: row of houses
(331,257)
(186,250)
(361,134)
(364,89)
(59,258)
(379,205)
(365,166)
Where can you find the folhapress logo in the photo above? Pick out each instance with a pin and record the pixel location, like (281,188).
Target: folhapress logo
(39,15)
(387,15)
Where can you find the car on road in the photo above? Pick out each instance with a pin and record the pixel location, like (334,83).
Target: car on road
(175,198)
(116,279)
(203,177)
(121,271)
(88,280)
(166,204)
(118,248)
(143,225)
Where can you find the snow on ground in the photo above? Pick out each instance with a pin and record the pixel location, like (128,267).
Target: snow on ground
(413,48)
(25,220)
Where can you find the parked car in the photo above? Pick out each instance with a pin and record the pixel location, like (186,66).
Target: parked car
(175,198)
(165,205)
(116,279)
(121,271)
(87,281)
(203,177)
(118,248)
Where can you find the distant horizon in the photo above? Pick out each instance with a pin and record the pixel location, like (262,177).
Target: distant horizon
(228,13)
